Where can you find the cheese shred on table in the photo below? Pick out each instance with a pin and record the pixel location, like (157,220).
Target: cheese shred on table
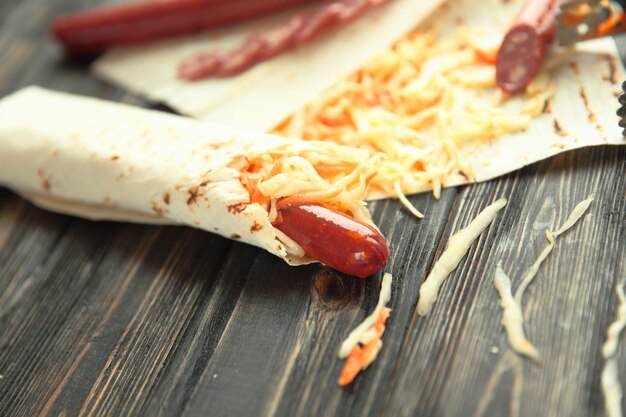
(512,316)
(363,344)
(425,104)
(611,387)
(457,248)
(576,214)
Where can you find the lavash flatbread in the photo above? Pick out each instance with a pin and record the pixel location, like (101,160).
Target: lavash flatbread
(109,161)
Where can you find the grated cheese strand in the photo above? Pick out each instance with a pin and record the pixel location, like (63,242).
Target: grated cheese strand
(405,201)
(362,329)
(611,387)
(369,360)
(573,218)
(512,316)
(576,214)
(529,276)
(457,248)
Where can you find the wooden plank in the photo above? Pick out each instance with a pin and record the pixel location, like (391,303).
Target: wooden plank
(119,319)
(454,357)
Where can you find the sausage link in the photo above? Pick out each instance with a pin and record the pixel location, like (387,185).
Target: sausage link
(298,30)
(524,46)
(96,30)
(334,238)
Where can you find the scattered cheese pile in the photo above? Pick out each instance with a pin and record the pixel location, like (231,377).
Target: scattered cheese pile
(425,104)
(611,387)
(457,248)
(362,345)
(512,317)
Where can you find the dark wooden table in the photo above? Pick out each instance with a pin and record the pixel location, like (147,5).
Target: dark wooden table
(120,319)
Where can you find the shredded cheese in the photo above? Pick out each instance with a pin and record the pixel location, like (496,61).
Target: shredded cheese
(529,276)
(426,103)
(576,214)
(611,387)
(457,248)
(357,335)
(307,172)
(512,317)
(405,201)
(363,344)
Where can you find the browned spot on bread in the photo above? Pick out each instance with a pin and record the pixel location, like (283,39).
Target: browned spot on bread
(547,107)
(220,145)
(41,172)
(55,152)
(612,75)
(256,227)
(590,114)
(157,210)
(583,95)
(166,198)
(574,66)
(558,129)
(193,195)
(464,175)
(45,185)
(114,158)
(235,236)
(236,208)
(107,199)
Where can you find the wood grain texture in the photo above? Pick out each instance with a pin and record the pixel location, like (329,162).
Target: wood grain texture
(105,319)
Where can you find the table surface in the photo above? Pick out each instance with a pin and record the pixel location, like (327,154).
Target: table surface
(119,319)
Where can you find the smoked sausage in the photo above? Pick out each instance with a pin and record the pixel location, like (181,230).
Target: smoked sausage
(522,51)
(93,31)
(334,238)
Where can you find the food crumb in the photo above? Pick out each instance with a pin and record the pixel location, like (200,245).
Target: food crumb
(558,129)
(494,349)
(214,376)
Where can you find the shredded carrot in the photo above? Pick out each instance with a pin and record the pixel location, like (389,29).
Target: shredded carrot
(257,197)
(385,312)
(361,356)
(353,366)
(379,325)
(369,352)
(487,56)
(606,27)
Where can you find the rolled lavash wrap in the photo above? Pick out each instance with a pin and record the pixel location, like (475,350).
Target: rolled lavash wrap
(108,161)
